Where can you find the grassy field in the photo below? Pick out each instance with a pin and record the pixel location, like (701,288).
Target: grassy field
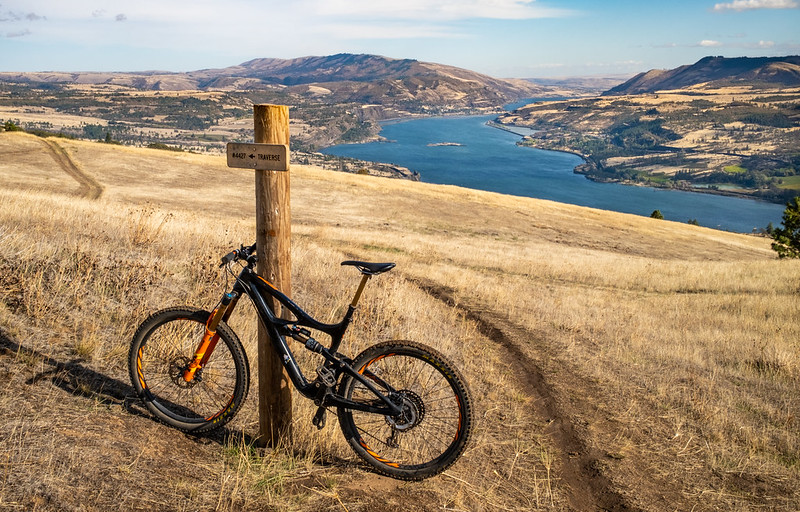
(618,362)
(791,182)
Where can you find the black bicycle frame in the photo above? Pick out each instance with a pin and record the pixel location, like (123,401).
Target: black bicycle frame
(257,288)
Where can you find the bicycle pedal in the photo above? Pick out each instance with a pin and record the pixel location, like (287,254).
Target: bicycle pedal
(319,419)
(326,376)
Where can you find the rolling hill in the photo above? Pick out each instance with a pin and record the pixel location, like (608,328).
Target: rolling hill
(335,78)
(715,72)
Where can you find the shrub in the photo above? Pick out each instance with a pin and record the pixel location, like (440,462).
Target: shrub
(787,238)
(9,126)
(165,147)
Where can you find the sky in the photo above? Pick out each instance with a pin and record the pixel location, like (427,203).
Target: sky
(501,38)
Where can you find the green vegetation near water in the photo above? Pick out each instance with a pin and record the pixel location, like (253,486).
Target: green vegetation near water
(630,139)
(791,182)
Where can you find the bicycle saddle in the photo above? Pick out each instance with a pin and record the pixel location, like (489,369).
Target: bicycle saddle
(370,269)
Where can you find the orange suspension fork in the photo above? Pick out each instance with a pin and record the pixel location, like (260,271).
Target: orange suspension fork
(210,337)
(228,311)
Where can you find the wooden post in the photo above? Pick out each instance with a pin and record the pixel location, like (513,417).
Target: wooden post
(273,239)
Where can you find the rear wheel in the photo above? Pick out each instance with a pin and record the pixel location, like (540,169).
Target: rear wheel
(435,424)
(161,350)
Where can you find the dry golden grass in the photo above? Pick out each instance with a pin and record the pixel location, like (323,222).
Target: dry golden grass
(665,355)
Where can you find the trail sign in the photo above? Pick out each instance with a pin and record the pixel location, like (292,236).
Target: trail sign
(262,157)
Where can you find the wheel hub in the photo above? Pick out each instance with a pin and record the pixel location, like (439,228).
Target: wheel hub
(412,410)
(177,367)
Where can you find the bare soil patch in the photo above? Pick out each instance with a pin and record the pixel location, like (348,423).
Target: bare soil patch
(89,187)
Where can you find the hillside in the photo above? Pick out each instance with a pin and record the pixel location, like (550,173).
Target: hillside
(617,362)
(592,84)
(334,99)
(738,139)
(335,78)
(715,72)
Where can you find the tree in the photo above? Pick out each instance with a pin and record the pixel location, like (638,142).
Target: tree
(9,126)
(787,238)
(94,131)
(656,214)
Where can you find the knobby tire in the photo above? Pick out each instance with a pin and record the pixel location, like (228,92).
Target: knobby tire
(164,343)
(436,423)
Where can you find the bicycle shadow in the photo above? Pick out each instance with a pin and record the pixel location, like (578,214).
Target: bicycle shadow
(79,380)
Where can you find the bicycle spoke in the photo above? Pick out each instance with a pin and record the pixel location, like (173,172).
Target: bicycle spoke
(172,347)
(421,437)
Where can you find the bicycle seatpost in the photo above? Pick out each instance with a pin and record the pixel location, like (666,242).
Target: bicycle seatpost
(364,279)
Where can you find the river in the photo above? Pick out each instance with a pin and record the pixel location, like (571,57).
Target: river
(464,151)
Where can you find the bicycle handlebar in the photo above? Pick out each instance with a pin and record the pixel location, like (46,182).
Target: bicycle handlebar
(243,253)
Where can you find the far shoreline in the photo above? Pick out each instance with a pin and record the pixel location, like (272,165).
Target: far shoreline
(588,162)
(576,170)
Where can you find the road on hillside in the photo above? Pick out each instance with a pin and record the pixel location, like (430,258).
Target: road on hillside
(88,186)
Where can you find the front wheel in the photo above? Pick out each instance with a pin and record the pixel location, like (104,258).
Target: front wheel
(435,424)
(160,352)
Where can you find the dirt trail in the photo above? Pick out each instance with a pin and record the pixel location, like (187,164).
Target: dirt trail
(89,187)
(580,463)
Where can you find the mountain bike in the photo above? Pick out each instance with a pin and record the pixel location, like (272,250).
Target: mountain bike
(402,406)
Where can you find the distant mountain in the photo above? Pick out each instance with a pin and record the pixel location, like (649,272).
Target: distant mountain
(335,78)
(587,84)
(373,79)
(307,70)
(716,72)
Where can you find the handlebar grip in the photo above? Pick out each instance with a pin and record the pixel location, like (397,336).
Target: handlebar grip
(228,258)
(241,253)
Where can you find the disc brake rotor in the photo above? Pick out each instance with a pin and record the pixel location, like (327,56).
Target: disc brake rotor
(412,413)
(176,369)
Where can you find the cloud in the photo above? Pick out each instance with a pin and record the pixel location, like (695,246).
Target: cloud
(21,33)
(353,20)
(436,10)
(748,5)
(298,27)
(710,43)
(387,30)
(339,21)
(17,16)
